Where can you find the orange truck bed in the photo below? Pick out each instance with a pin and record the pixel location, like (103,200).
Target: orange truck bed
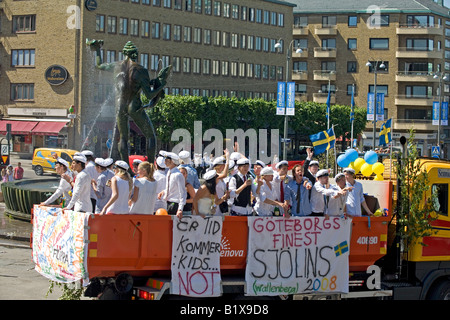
(141,244)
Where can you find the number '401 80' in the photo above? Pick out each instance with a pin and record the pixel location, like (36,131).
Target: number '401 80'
(367,240)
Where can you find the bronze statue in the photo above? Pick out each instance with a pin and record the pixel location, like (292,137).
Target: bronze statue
(132,79)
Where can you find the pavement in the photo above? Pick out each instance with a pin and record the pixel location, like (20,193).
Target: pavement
(15,229)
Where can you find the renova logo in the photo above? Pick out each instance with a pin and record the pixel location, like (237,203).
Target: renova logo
(226,251)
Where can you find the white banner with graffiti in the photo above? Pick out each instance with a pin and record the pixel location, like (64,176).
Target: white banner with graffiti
(196,256)
(59,248)
(297,255)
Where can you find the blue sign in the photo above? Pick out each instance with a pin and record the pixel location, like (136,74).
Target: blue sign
(435,113)
(290,108)
(435,151)
(444,114)
(371,107)
(281,98)
(380,106)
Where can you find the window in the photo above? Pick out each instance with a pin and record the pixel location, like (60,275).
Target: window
(225,39)
(155,30)
(196,65)
(300,66)
(250,42)
(250,70)
(216,67)
(208,7)
(266,17)
(188,5)
(187,34)
(197,35)
(281,20)
(217,7)
(351,66)
(417,114)
(206,66)
(418,91)
(273,18)
(420,44)
(110,56)
(234,69)
(177,4)
(176,33)
(258,16)
(112,22)
(123,26)
(329,43)
(225,68)
(441,204)
(134,27)
(100,23)
(243,13)
(226,10)
(300,21)
(144,60)
(328,21)
(207,36)
(352,21)
(176,64)
(166,31)
(324,88)
(301,43)
(157,3)
(186,65)
(235,11)
(217,38)
(352,44)
(380,89)
(24,23)
(24,57)
(22,91)
(234,40)
(242,67)
(198,6)
(167,3)
(154,62)
(378,20)
(420,21)
(145,29)
(165,61)
(257,71)
(379,43)
(328,65)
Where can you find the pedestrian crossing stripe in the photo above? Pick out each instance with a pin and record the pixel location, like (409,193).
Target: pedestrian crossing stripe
(341,248)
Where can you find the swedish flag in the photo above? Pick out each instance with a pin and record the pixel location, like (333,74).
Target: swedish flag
(385,133)
(323,141)
(341,248)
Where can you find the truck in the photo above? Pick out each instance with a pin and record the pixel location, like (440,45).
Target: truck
(129,256)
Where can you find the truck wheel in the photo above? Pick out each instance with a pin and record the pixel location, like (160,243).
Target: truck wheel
(441,291)
(38,170)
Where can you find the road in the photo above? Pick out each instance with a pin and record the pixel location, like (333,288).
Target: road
(18,279)
(28,173)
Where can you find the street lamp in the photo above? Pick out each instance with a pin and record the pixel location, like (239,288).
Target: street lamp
(445,78)
(278,45)
(375,70)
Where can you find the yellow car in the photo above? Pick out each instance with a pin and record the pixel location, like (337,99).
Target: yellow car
(44,159)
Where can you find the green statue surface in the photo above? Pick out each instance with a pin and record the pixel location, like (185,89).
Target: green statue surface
(132,80)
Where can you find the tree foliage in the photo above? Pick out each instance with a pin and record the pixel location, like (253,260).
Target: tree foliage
(174,112)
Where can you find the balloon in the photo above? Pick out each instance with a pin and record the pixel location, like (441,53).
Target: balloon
(379,177)
(161,212)
(371,157)
(366,169)
(351,154)
(343,161)
(378,168)
(358,164)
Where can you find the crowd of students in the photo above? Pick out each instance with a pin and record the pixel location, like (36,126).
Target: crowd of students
(171,184)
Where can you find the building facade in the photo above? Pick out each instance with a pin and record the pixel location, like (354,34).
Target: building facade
(215,47)
(408,46)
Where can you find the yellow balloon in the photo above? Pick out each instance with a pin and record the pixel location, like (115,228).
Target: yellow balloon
(358,164)
(378,168)
(366,169)
(379,177)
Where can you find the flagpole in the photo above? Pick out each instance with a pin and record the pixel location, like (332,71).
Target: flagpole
(328,111)
(335,165)
(352,115)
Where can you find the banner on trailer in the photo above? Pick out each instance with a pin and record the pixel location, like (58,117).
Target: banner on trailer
(297,255)
(196,256)
(59,248)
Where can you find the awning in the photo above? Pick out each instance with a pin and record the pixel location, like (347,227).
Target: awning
(48,128)
(17,127)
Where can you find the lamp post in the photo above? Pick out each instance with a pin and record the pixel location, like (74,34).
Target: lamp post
(440,77)
(375,70)
(278,45)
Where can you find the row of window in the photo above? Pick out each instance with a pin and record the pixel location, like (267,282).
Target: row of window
(375,20)
(204,66)
(219,9)
(179,33)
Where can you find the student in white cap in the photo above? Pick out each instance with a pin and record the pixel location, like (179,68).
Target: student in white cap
(321,193)
(281,179)
(160,177)
(175,190)
(241,190)
(355,198)
(185,161)
(136,163)
(81,200)
(337,202)
(205,200)
(144,194)
(90,169)
(190,191)
(296,194)
(266,196)
(311,167)
(121,185)
(102,189)
(221,166)
(64,187)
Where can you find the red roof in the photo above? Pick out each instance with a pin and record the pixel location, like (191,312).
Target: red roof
(17,127)
(48,128)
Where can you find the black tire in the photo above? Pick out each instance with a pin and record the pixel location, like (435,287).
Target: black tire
(38,170)
(440,291)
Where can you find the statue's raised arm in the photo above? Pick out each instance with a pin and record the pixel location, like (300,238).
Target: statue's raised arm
(96,46)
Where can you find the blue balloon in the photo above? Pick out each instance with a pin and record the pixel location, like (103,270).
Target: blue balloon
(343,161)
(371,157)
(351,154)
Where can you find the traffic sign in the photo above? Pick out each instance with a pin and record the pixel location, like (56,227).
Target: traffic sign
(435,151)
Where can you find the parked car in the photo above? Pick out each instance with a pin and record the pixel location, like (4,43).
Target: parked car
(44,159)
